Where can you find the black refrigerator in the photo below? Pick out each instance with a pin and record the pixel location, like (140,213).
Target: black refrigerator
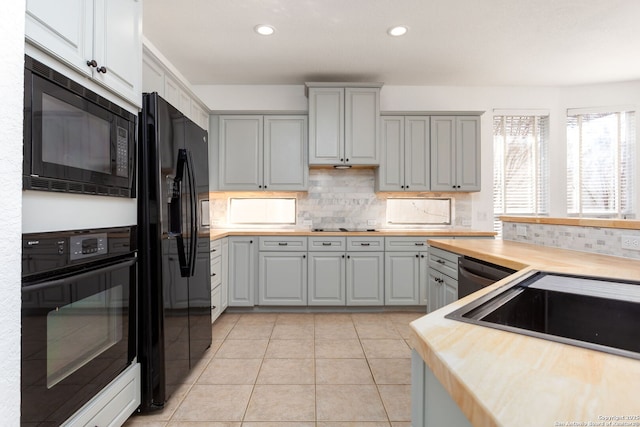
(174,269)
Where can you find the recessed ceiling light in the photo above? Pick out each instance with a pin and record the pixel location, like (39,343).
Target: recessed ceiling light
(264,30)
(400,30)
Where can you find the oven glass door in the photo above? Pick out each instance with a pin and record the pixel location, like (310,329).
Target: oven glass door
(75,339)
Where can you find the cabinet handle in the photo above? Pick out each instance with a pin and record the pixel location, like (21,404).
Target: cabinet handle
(213,307)
(365,244)
(282,243)
(326,243)
(419,243)
(92,63)
(213,250)
(440,261)
(213,274)
(102,70)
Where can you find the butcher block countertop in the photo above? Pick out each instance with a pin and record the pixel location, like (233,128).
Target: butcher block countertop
(499,378)
(444,232)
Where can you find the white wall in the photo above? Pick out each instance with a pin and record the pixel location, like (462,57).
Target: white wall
(11,84)
(459,98)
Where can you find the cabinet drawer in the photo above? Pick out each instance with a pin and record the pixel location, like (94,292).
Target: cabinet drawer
(216,303)
(444,262)
(365,243)
(279,243)
(406,243)
(216,247)
(328,243)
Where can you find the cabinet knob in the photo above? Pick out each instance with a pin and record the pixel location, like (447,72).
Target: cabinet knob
(347,160)
(250,242)
(265,186)
(304,256)
(259,186)
(421,256)
(102,70)
(342,256)
(417,255)
(406,186)
(348,256)
(92,63)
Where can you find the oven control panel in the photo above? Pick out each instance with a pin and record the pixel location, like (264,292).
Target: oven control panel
(87,245)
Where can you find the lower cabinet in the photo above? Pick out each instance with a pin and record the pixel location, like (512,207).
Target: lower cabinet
(365,278)
(443,278)
(327,278)
(243,254)
(219,277)
(282,271)
(405,278)
(282,278)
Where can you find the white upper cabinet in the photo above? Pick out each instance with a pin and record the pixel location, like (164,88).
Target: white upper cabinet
(405,163)
(343,124)
(101,39)
(455,153)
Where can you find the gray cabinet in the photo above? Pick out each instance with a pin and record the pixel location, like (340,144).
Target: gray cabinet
(455,153)
(77,32)
(219,277)
(365,271)
(243,253)
(406,271)
(405,164)
(343,124)
(327,271)
(263,153)
(443,278)
(282,278)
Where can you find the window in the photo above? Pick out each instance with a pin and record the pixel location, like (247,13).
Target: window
(600,163)
(521,166)
(262,211)
(418,211)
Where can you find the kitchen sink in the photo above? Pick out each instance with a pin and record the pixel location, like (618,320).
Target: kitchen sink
(593,312)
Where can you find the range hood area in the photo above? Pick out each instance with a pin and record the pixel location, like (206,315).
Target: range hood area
(591,312)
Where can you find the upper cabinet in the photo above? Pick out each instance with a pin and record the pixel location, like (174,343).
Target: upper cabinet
(405,163)
(455,153)
(157,77)
(263,153)
(343,124)
(101,39)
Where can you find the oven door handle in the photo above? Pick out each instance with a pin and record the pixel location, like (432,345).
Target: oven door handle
(81,276)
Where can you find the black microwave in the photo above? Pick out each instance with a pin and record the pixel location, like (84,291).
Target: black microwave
(75,141)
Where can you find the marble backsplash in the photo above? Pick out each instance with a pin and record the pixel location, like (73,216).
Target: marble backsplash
(345,198)
(606,241)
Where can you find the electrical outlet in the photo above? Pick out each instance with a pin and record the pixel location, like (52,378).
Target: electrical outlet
(631,242)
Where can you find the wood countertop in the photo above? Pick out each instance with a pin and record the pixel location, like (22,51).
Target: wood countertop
(499,378)
(443,232)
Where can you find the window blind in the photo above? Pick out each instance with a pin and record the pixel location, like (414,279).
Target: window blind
(521,166)
(601,163)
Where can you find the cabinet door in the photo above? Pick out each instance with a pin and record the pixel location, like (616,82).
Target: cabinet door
(449,290)
(117,46)
(468,153)
(390,174)
(365,278)
(423,283)
(242,271)
(240,161)
(326,126)
(402,278)
(282,278)
(417,154)
(434,291)
(443,153)
(152,76)
(327,280)
(285,153)
(62,28)
(362,113)
(224,281)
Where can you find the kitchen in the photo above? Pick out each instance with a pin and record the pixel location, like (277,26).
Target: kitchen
(291,98)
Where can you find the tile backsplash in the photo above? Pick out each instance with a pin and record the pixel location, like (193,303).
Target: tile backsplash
(346,198)
(606,241)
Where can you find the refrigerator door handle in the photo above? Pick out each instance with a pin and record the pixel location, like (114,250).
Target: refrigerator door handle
(193,217)
(175,212)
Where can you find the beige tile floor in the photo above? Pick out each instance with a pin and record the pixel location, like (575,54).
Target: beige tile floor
(297,370)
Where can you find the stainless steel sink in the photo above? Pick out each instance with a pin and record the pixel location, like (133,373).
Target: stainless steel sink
(593,312)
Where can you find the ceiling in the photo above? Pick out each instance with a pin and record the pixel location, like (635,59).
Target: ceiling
(450,42)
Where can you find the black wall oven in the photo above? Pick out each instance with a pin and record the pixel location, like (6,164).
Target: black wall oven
(78,318)
(74,140)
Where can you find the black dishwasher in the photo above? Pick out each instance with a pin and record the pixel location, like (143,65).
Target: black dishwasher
(475,274)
